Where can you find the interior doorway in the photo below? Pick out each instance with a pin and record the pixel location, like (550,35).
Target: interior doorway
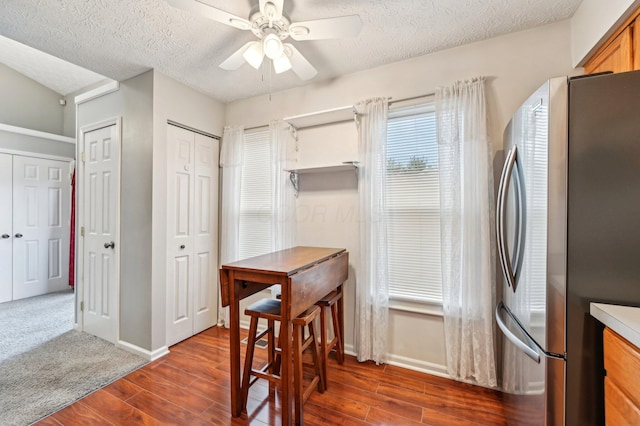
(99,236)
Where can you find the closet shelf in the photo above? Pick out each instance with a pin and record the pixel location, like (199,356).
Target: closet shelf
(294,174)
(319,118)
(344,167)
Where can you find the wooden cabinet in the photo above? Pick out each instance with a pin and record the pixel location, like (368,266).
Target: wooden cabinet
(621,385)
(616,56)
(620,52)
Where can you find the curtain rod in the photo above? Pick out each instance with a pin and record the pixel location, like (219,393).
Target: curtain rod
(184,126)
(426,95)
(391,102)
(262,126)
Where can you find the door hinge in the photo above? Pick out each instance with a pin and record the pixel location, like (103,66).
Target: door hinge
(82,231)
(84,158)
(82,306)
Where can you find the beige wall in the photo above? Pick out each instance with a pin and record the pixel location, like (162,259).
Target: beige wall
(26,103)
(515,65)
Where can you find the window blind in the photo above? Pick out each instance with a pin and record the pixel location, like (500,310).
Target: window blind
(256,231)
(413,205)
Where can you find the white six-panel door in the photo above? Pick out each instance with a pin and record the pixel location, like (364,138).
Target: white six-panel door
(41,209)
(6,228)
(100,217)
(192,189)
(205,233)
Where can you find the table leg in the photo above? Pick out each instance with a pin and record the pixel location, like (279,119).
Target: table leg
(341,315)
(234,351)
(287,371)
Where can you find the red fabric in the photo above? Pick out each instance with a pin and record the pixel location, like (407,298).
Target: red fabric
(72,239)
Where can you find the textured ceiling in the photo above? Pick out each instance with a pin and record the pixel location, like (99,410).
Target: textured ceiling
(60,76)
(123,38)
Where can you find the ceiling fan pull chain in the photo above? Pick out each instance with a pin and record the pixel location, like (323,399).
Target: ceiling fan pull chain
(270,86)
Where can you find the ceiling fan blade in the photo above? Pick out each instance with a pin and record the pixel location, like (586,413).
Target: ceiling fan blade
(343,26)
(273,13)
(236,60)
(203,9)
(299,63)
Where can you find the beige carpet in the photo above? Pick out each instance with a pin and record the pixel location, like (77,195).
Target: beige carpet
(53,372)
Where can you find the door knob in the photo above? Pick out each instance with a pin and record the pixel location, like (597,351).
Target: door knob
(110,245)
(18,235)
(5,236)
(182,247)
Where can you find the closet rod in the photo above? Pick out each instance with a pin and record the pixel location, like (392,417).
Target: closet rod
(426,95)
(184,126)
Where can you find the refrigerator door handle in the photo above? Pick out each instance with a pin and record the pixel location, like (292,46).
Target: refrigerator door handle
(524,347)
(499,238)
(505,180)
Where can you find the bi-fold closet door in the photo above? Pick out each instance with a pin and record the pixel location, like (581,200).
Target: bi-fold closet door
(34,226)
(192,218)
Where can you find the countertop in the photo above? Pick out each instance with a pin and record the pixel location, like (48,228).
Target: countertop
(624,320)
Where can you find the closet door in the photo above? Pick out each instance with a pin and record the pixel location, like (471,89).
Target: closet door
(192,190)
(6,233)
(41,210)
(206,233)
(180,234)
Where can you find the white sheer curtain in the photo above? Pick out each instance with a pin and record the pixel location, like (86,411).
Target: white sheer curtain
(372,289)
(467,237)
(283,156)
(231,159)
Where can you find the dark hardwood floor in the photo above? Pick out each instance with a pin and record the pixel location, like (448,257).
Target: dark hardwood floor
(190,386)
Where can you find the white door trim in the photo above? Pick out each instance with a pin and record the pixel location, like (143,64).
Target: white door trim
(80,199)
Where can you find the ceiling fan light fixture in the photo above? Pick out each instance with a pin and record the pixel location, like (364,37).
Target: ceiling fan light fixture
(254,55)
(272,46)
(282,64)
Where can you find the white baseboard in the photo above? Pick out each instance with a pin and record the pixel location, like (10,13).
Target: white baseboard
(398,361)
(421,366)
(149,355)
(409,363)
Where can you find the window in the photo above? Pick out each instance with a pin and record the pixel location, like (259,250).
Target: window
(413,205)
(256,233)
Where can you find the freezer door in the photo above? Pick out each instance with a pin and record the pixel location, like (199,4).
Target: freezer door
(533,382)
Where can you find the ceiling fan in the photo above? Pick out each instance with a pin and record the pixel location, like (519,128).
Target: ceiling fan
(272,27)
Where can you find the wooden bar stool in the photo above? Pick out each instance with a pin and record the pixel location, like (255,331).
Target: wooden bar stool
(336,344)
(269,309)
(300,344)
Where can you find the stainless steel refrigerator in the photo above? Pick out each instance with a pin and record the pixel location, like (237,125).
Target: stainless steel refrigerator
(568,233)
